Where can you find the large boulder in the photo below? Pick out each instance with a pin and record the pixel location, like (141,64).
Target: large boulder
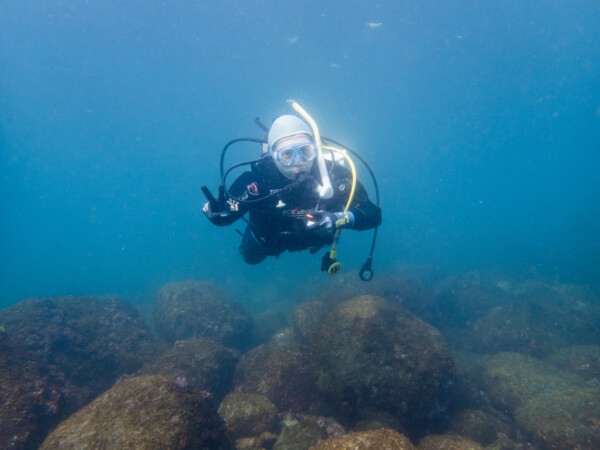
(374,355)
(300,431)
(583,360)
(150,411)
(482,426)
(203,363)
(58,354)
(564,417)
(510,379)
(448,441)
(32,398)
(283,372)
(201,309)
(382,439)
(247,415)
(542,320)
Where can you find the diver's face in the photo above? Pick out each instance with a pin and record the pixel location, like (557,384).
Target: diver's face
(294,155)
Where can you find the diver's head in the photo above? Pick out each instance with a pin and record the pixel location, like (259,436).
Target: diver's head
(291,146)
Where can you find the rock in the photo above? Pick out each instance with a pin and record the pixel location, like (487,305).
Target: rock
(375,355)
(60,353)
(564,417)
(265,441)
(583,360)
(512,378)
(541,321)
(307,317)
(448,441)
(405,291)
(247,415)
(300,431)
(203,363)
(379,419)
(150,411)
(524,328)
(481,426)
(32,398)
(200,309)
(506,443)
(381,439)
(285,374)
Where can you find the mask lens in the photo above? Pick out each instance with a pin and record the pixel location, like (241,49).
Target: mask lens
(307,150)
(286,155)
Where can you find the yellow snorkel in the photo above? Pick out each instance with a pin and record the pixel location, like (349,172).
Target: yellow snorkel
(329,262)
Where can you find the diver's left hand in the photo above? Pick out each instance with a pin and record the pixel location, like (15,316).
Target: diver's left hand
(325,223)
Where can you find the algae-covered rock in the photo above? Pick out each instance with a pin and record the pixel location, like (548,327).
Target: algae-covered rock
(583,360)
(481,426)
(381,439)
(448,441)
(300,431)
(541,320)
(525,328)
(565,417)
(58,354)
(266,440)
(92,341)
(149,411)
(203,363)
(285,374)
(405,291)
(201,309)
(375,355)
(379,419)
(32,398)
(505,443)
(247,415)
(511,378)
(307,317)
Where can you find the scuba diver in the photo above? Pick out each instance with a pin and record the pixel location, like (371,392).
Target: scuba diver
(293,203)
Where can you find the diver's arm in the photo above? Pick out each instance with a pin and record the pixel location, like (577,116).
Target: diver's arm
(366,214)
(226,209)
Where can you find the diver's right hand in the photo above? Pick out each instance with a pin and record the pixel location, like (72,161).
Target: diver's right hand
(208,211)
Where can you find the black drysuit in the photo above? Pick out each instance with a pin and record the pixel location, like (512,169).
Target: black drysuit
(278,223)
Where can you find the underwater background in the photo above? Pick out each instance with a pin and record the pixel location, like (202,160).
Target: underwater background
(122,307)
(480,121)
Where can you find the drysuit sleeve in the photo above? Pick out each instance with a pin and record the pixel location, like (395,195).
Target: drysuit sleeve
(229,208)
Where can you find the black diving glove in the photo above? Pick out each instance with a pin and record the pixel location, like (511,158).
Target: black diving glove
(325,224)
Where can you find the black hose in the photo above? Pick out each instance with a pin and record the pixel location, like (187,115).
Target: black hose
(234,141)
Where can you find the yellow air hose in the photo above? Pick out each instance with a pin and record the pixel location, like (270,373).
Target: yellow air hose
(336,266)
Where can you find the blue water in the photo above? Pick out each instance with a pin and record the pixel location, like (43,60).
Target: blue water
(481,121)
